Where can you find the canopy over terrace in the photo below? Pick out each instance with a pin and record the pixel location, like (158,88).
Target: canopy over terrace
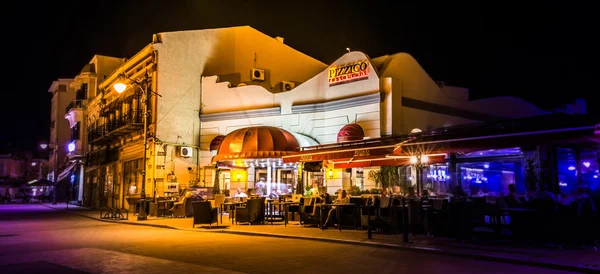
(362,153)
(260,142)
(251,158)
(556,129)
(437,143)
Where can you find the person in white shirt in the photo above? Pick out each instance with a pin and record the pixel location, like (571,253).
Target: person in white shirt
(240,194)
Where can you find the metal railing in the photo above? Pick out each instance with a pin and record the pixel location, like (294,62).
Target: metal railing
(74,104)
(132,117)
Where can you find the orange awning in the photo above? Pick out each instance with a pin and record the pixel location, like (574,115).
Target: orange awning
(331,155)
(382,161)
(256,142)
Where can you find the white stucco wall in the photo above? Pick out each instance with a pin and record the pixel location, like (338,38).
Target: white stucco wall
(315,90)
(60,133)
(412,81)
(184,56)
(321,126)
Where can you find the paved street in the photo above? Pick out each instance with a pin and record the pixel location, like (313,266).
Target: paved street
(37,239)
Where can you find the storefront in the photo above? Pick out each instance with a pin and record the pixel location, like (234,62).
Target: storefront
(358,113)
(480,160)
(250,159)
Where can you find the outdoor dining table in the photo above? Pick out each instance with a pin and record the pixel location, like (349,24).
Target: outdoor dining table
(232,207)
(271,209)
(165,204)
(286,210)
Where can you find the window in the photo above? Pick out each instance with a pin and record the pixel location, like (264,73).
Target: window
(75,132)
(567,170)
(569,179)
(490,178)
(110,186)
(82,92)
(132,176)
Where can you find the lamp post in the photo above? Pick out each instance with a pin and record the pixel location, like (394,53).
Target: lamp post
(52,146)
(418,161)
(144,86)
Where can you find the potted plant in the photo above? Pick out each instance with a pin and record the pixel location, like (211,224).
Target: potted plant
(385,176)
(216,188)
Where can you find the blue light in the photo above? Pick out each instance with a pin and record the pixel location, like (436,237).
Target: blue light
(71,146)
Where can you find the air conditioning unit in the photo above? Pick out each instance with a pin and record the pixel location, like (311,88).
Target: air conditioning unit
(186,151)
(258,74)
(287,86)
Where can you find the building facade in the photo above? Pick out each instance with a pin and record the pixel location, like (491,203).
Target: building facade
(11,166)
(382,97)
(169,71)
(62,95)
(234,108)
(85,85)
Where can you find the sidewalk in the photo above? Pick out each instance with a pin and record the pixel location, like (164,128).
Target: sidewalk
(573,259)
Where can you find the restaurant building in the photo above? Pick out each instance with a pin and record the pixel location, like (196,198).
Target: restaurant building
(168,72)
(349,119)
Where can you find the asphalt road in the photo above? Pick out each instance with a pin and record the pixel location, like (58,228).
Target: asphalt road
(36,239)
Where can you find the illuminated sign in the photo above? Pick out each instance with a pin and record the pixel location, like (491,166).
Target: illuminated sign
(348,73)
(306,158)
(363,152)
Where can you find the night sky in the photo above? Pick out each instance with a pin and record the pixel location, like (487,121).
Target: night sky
(545,53)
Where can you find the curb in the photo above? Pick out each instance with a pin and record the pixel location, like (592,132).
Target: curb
(414,248)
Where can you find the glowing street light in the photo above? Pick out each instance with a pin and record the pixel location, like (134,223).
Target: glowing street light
(413,159)
(120,87)
(144,85)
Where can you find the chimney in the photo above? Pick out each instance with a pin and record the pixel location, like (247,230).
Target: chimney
(279,38)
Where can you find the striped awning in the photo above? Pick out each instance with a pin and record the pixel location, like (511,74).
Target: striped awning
(66,172)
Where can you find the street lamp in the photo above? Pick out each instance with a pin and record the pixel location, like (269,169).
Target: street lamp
(144,85)
(418,161)
(54,148)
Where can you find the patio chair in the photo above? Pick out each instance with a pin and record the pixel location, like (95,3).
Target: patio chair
(252,213)
(219,200)
(178,209)
(204,213)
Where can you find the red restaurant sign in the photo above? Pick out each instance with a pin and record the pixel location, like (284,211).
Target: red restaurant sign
(333,155)
(348,73)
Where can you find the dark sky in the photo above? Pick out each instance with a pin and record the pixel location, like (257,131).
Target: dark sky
(545,53)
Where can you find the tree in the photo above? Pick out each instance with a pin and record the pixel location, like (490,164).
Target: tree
(216,189)
(531,174)
(384,176)
(389,176)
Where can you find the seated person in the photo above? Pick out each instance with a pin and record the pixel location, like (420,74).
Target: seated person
(386,192)
(314,202)
(273,195)
(411,193)
(240,194)
(512,201)
(396,190)
(343,198)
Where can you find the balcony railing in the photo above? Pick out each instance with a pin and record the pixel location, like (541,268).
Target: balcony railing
(74,104)
(126,123)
